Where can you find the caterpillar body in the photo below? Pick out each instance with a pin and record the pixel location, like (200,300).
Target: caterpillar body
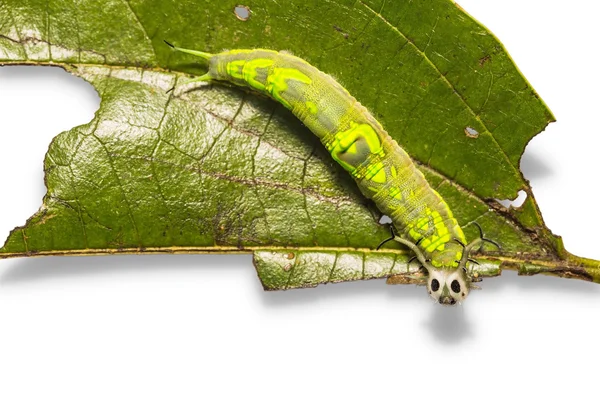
(383,171)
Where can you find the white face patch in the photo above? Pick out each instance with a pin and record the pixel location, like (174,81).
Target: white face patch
(448,286)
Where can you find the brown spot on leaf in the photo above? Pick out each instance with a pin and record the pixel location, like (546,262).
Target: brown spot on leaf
(484,60)
(340,30)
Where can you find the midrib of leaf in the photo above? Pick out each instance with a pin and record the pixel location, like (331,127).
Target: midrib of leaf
(573,267)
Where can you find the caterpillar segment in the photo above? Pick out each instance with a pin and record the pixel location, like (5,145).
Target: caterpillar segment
(382,170)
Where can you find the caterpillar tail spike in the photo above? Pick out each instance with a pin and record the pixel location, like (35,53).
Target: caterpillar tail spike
(201,54)
(206,56)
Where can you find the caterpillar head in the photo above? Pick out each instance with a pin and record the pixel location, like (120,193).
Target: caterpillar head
(448,286)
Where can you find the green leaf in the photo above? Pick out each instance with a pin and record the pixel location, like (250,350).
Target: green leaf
(217,169)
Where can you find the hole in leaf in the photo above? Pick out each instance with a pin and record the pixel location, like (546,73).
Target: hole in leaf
(242,12)
(385,220)
(471,132)
(516,203)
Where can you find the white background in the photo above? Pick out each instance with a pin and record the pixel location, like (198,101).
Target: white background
(184,327)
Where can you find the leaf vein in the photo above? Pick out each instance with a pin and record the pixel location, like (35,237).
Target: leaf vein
(121,189)
(139,22)
(455,91)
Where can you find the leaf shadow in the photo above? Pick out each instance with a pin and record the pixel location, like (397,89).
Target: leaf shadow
(448,326)
(541,284)
(444,327)
(27,270)
(535,167)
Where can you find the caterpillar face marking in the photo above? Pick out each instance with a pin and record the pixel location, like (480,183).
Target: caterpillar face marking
(448,286)
(383,171)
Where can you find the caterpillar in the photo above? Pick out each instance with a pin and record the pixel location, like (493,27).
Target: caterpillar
(383,171)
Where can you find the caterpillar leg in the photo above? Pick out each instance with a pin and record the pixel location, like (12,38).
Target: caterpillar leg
(484,239)
(393,235)
(203,78)
(413,246)
(477,242)
(468,248)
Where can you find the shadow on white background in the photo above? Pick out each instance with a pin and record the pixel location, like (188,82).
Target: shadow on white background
(447,325)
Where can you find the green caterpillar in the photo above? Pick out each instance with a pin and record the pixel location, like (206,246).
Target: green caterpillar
(383,171)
